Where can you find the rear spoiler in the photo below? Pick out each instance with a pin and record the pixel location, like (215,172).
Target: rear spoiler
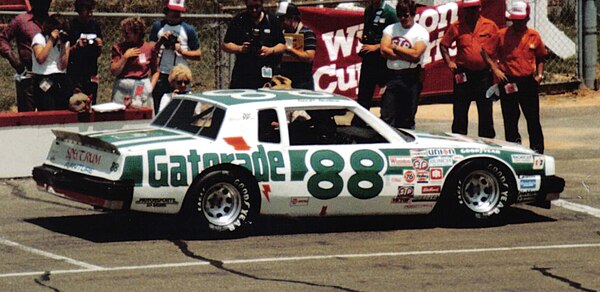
(85,140)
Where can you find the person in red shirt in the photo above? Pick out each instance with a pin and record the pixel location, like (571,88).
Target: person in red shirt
(520,70)
(134,61)
(22,28)
(472,77)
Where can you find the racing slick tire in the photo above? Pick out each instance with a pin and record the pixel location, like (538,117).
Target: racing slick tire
(480,189)
(224,200)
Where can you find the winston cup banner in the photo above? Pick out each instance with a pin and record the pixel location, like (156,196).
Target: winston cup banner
(336,66)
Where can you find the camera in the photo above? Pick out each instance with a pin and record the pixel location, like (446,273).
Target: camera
(64,36)
(172,39)
(90,38)
(255,43)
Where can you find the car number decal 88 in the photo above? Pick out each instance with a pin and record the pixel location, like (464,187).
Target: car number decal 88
(245,94)
(328,165)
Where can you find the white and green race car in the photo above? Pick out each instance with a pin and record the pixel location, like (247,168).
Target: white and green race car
(223,157)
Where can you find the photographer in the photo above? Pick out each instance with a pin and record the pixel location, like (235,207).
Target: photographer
(298,64)
(256,38)
(177,42)
(50,58)
(86,42)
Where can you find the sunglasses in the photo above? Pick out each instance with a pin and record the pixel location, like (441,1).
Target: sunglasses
(184,82)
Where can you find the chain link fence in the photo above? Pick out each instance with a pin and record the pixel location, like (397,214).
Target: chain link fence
(557,23)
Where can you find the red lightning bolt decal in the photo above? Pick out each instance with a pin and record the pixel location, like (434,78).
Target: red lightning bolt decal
(238,143)
(266,190)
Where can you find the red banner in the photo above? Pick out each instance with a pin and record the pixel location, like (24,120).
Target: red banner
(14,5)
(336,66)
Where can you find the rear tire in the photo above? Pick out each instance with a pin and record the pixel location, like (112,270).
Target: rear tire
(223,201)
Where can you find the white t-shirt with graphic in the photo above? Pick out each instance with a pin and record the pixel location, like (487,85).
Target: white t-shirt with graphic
(407,38)
(51,64)
(170,58)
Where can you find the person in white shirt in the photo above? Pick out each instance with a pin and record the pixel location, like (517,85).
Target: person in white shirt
(403,45)
(50,57)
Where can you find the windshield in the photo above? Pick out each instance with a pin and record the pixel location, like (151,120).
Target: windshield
(202,119)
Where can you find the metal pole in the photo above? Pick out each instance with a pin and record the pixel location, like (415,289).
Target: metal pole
(590,47)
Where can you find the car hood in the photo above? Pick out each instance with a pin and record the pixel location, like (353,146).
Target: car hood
(444,140)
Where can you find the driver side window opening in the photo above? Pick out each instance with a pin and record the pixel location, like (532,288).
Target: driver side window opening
(328,127)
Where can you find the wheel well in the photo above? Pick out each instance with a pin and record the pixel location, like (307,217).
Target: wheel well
(455,170)
(228,167)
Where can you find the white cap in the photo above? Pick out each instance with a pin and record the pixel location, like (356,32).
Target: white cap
(519,10)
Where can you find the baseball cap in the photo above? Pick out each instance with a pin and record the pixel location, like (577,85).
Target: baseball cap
(518,10)
(176,5)
(471,3)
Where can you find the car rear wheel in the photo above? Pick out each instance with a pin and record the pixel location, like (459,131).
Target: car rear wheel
(223,201)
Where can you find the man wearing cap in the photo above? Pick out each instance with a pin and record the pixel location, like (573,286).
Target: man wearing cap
(403,45)
(298,61)
(472,77)
(177,41)
(378,15)
(256,38)
(23,28)
(520,69)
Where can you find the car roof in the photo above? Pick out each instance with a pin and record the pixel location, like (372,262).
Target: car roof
(288,97)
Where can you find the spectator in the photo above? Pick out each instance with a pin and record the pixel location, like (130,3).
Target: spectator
(50,59)
(472,33)
(297,64)
(179,79)
(403,45)
(521,54)
(86,42)
(22,28)
(133,63)
(378,15)
(256,38)
(178,42)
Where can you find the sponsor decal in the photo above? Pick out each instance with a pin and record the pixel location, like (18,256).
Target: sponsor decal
(538,162)
(266,190)
(409,176)
(529,183)
(422,176)
(431,189)
(299,201)
(83,156)
(522,158)
(418,153)
(440,152)
(480,151)
(436,173)
(418,206)
(526,197)
(420,164)
(156,202)
(399,161)
(405,193)
(441,161)
(426,198)
(79,167)
(323,211)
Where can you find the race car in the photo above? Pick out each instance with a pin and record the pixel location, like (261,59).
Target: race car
(223,157)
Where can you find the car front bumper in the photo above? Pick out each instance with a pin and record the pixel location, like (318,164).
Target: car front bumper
(550,190)
(114,195)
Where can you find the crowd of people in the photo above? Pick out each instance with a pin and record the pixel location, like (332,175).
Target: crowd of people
(57,58)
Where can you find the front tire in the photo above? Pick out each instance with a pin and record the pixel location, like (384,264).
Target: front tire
(223,201)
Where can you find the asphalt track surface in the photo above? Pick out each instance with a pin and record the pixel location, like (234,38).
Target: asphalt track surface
(50,244)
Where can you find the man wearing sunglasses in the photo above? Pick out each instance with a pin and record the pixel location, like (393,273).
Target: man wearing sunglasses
(256,38)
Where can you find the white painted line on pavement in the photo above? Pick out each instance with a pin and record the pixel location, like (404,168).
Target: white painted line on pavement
(577,207)
(304,258)
(48,254)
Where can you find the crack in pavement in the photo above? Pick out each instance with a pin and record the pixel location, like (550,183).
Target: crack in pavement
(45,278)
(545,272)
(220,265)
(17,191)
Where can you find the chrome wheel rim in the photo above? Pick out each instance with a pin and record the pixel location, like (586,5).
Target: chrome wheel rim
(221,204)
(481,191)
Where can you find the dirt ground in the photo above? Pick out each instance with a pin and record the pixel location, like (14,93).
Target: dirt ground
(571,125)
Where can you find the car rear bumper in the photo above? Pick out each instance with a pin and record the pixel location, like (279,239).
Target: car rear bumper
(115,195)
(550,190)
